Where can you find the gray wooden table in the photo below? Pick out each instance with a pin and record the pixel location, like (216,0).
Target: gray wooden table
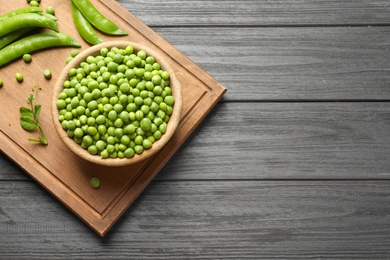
(293,162)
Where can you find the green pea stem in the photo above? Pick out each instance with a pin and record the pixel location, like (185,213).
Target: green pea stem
(42,139)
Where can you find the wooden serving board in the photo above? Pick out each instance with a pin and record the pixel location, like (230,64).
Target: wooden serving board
(54,166)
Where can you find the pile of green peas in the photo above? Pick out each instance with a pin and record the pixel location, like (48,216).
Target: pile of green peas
(116,104)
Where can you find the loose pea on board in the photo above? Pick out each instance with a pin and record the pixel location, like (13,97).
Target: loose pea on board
(27,58)
(19,76)
(47,74)
(113,110)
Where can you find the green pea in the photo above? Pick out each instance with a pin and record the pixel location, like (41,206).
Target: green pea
(88,97)
(78,132)
(139,131)
(110,148)
(91,121)
(146,124)
(71,125)
(68,59)
(129,129)
(139,115)
(112,115)
(117,58)
(163,128)
(163,106)
(118,132)
(19,76)
(1,83)
(34,3)
(92,105)
(138,101)
(147,143)
(141,54)
(91,130)
(138,139)
(61,104)
(111,140)
(129,152)
(165,75)
(150,60)
(133,82)
(157,90)
(125,140)
(104,154)
(50,10)
(27,58)
(156,66)
(137,60)
(125,88)
(118,123)
(147,75)
(87,140)
(138,149)
(100,120)
(157,135)
(144,94)
(47,74)
(129,50)
(156,79)
(100,145)
(168,91)
(92,149)
(102,129)
(112,66)
(169,100)
(117,107)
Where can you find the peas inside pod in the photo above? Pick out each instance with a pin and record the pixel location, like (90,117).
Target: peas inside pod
(116,104)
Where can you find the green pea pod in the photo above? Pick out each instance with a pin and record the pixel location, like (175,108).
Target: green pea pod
(97,19)
(26,20)
(32,9)
(4,41)
(35,43)
(84,27)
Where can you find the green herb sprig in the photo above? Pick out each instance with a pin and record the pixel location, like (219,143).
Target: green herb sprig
(29,117)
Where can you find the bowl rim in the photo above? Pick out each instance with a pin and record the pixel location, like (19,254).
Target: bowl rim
(158,144)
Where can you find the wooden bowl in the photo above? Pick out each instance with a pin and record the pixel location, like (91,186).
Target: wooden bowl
(157,145)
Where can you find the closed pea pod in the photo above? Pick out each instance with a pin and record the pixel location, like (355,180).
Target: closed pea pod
(84,27)
(34,43)
(23,10)
(11,37)
(26,20)
(97,19)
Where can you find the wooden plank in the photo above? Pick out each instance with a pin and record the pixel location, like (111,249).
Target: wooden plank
(259,12)
(291,63)
(67,177)
(288,141)
(281,141)
(213,220)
